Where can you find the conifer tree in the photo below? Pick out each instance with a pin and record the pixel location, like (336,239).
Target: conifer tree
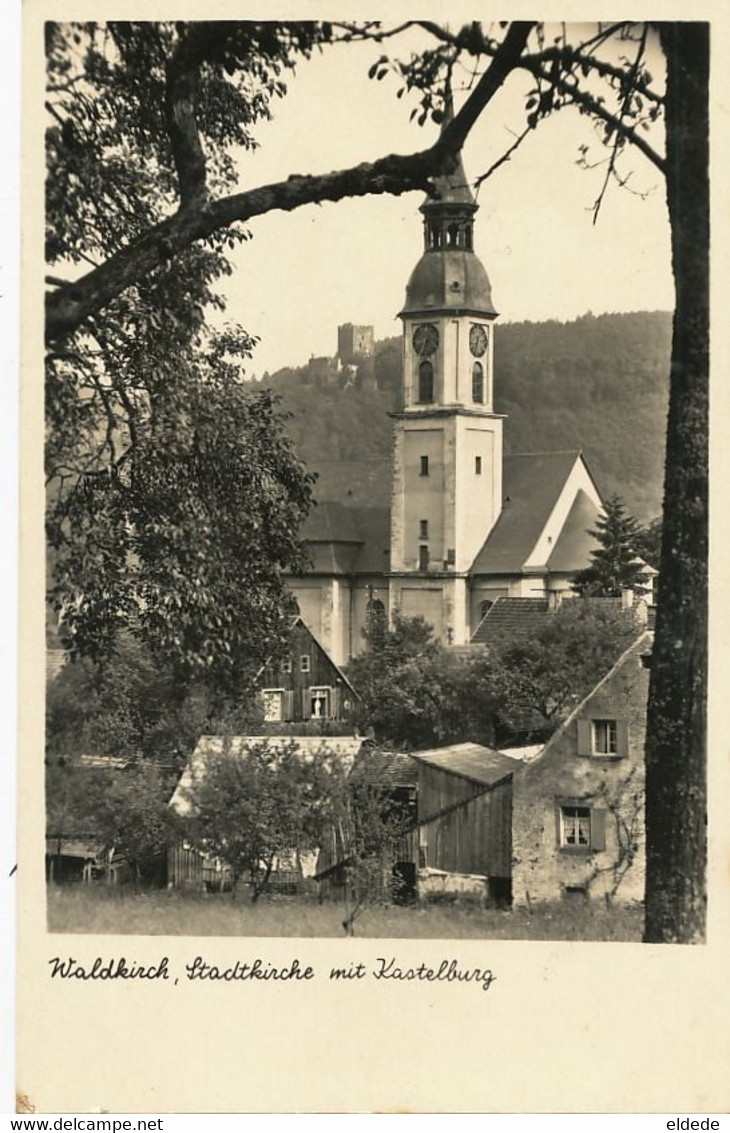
(615,565)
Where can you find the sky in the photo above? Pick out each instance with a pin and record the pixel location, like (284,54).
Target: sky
(304,273)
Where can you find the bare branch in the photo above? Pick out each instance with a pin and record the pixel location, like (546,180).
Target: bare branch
(505,156)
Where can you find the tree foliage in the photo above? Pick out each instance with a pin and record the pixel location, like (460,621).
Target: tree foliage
(615,564)
(414,693)
(249,807)
(536,682)
(131,706)
(121,810)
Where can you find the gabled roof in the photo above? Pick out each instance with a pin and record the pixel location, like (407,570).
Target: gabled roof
(531,485)
(640,646)
(572,550)
(513,619)
(299,620)
(341,748)
(480,764)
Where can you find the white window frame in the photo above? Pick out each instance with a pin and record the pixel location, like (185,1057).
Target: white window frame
(305,663)
(582,813)
(286,665)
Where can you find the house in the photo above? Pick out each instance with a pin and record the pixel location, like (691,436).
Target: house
(306,684)
(189,866)
(455,824)
(578,807)
(453,524)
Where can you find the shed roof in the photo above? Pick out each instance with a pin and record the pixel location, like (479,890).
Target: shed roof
(390,768)
(476,762)
(512,619)
(532,483)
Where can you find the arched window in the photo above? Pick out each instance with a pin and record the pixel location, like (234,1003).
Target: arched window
(453,235)
(477,383)
(425,382)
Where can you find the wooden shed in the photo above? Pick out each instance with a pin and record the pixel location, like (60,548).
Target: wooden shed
(465,818)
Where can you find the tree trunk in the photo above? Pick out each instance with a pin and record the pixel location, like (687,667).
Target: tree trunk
(676,771)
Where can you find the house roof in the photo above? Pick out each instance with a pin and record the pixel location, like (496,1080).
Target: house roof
(531,485)
(470,761)
(513,619)
(572,550)
(390,768)
(341,748)
(299,620)
(640,646)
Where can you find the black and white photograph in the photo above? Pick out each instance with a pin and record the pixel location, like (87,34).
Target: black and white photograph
(375,506)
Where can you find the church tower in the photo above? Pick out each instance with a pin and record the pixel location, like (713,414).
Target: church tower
(447,445)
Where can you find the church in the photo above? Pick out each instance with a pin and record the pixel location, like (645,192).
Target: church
(460,523)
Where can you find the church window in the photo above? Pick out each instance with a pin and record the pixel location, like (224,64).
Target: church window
(425,382)
(304,663)
(478,465)
(424,466)
(423,529)
(477,383)
(453,235)
(423,557)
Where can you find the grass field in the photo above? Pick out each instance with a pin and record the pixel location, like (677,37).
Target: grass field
(97,909)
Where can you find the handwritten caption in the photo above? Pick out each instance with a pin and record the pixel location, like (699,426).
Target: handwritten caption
(199,970)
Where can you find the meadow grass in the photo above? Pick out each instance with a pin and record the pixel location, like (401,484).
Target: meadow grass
(102,909)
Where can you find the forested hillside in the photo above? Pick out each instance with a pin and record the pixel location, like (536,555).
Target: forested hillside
(598,383)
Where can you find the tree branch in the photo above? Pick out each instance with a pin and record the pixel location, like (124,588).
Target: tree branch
(68,307)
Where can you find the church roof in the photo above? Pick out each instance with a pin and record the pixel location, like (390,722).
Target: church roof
(573,548)
(450,279)
(347,538)
(510,619)
(531,485)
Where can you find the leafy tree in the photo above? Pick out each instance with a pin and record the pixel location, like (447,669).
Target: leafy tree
(250,806)
(614,564)
(536,683)
(130,705)
(125,810)
(414,693)
(180,103)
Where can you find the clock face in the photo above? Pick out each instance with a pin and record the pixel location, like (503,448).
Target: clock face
(425,340)
(478,340)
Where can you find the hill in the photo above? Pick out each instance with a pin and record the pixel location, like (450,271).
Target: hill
(599,383)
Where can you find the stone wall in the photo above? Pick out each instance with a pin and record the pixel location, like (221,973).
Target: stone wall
(610,787)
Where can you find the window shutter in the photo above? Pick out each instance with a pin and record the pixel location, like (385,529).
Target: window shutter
(289,705)
(622,737)
(598,829)
(585,745)
(306,710)
(558,831)
(335,699)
